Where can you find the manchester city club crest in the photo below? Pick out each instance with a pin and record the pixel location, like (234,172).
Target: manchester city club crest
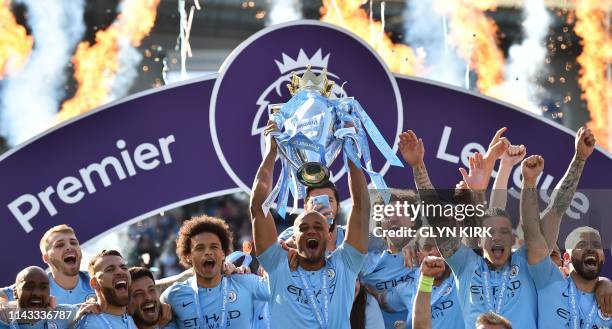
(231,296)
(331,273)
(514,271)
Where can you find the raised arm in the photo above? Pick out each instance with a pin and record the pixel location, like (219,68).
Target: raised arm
(359,218)
(565,189)
(421,310)
(264,229)
(511,157)
(413,151)
(535,243)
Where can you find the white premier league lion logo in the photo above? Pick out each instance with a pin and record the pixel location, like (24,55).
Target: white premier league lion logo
(278,88)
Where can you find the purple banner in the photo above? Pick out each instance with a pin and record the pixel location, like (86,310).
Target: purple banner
(181,143)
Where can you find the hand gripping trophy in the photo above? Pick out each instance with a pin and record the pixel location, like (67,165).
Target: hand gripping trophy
(313,130)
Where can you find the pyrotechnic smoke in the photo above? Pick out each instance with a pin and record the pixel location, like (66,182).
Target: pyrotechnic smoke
(31,98)
(399,58)
(426,29)
(106,69)
(284,11)
(474,35)
(526,60)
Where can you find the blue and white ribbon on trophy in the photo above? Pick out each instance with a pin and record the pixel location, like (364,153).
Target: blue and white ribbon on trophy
(335,125)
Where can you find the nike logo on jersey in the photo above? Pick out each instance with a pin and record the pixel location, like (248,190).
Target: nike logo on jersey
(185,304)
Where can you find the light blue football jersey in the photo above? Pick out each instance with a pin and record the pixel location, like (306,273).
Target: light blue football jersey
(261,320)
(554,308)
(445,310)
(242,292)
(383,271)
(519,304)
(290,306)
(106,321)
(81,292)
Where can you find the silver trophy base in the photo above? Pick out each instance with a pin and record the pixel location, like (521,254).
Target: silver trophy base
(313,174)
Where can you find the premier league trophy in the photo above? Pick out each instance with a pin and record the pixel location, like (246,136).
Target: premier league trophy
(314,129)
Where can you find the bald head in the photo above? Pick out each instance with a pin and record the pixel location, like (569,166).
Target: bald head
(30,271)
(32,288)
(311,235)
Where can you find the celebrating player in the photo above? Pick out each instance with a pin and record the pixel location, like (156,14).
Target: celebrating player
(563,302)
(209,299)
(385,270)
(145,306)
(111,281)
(61,250)
(435,278)
(320,294)
(35,303)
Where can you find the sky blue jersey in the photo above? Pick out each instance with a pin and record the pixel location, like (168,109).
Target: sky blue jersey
(106,321)
(241,293)
(518,296)
(554,300)
(446,313)
(383,271)
(298,299)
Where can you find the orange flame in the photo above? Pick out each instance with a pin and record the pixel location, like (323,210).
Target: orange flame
(595,58)
(95,66)
(15,44)
(349,15)
(475,37)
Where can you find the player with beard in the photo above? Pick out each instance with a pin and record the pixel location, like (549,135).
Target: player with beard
(210,300)
(499,280)
(321,291)
(386,269)
(32,291)
(444,310)
(562,302)
(111,281)
(61,251)
(337,231)
(145,306)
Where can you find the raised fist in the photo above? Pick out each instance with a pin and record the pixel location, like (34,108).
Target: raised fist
(532,167)
(585,143)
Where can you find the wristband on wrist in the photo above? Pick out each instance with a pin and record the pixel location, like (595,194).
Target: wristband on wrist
(426,283)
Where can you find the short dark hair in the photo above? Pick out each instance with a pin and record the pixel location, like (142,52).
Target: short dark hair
(492,212)
(398,195)
(98,256)
(140,272)
(493,319)
(197,225)
(330,185)
(327,184)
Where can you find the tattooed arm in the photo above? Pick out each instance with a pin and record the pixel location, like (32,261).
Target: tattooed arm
(413,152)
(535,242)
(564,191)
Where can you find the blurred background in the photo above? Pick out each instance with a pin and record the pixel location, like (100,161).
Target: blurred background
(62,58)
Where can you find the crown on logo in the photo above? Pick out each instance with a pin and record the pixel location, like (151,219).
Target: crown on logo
(289,64)
(309,80)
